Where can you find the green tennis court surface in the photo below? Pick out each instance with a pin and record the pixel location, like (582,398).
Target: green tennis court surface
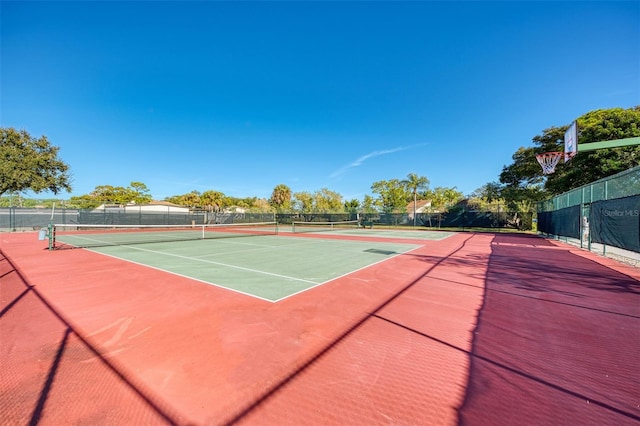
(269,267)
(379,233)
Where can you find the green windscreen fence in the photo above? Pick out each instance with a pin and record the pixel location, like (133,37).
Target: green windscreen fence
(616,222)
(606,211)
(565,222)
(624,184)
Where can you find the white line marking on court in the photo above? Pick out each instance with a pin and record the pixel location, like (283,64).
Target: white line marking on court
(258,247)
(229,252)
(234,241)
(169,238)
(309,242)
(348,273)
(184,276)
(242,268)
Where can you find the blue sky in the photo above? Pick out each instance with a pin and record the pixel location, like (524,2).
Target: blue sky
(239,97)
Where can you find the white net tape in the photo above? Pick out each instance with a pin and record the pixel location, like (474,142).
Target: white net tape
(549,160)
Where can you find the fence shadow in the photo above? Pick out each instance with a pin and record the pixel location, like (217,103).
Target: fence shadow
(241,415)
(555,341)
(52,372)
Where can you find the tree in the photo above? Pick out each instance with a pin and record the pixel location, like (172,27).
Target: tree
(442,197)
(107,194)
(369,204)
(524,180)
(525,170)
(245,203)
(139,193)
(303,202)
(327,201)
(489,192)
(136,192)
(281,198)
(589,166)
(192,199)
(393,195)
(262,205)
(352,206)
(413,182)
(488,197)
(212,200)
(451,196)
(85,201)
(27,163)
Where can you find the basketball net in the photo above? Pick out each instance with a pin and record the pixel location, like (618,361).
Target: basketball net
(549,161)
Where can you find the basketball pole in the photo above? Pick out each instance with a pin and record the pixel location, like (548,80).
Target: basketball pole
(608,144)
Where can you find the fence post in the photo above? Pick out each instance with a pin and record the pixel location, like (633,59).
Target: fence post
(12,218)
(50,234)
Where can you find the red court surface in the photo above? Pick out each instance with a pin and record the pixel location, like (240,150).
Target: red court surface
(474,329)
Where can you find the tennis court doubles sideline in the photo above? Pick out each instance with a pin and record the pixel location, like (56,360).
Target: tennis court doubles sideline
(267,267)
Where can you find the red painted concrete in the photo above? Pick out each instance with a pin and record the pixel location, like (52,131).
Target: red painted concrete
(558,338)
(473,329)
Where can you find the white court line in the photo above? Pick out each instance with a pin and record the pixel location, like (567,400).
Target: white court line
(112,243)
(346,274)
(257,247)
(314,283)
(224,265)
(185,276)
(222,253)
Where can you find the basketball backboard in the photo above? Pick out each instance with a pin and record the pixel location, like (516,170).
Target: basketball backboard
(571,142)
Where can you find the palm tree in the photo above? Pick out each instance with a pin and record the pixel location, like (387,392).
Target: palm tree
(192,199)
(281,198)
(212,200)
(413,183)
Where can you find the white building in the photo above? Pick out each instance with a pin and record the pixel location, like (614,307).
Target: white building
(152,207)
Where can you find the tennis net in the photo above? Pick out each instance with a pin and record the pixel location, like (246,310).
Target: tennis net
(298,227)
(78,235)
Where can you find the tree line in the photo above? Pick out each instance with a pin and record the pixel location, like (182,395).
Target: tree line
(393,196)
(30,163)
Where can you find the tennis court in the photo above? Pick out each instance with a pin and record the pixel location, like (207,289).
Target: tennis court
(351,230)
(319,328)
(269,267)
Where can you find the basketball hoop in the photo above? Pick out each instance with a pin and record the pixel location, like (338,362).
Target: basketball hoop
(548,161)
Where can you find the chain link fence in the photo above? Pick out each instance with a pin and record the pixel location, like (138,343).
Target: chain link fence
(32,219)
(603,216)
